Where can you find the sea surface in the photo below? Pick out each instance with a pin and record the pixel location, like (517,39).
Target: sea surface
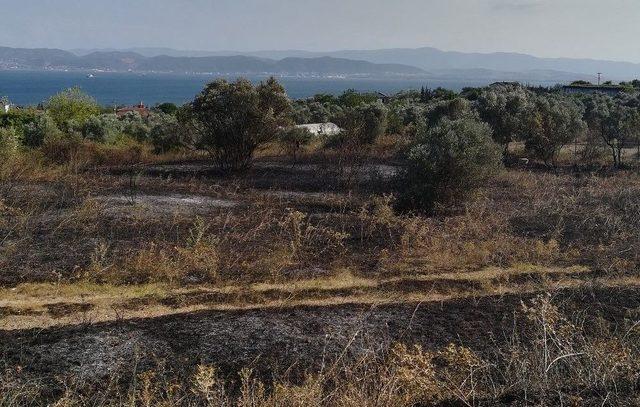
(31,88)
(34,87)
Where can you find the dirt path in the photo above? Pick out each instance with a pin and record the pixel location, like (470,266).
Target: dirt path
(91,331)
(46,305)
(301,337)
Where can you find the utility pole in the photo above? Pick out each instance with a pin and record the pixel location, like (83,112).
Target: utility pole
(599,77)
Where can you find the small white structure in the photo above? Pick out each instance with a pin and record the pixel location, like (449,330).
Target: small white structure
(321,129)
(5,106)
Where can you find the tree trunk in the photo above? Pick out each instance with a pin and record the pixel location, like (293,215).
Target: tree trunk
(619,157)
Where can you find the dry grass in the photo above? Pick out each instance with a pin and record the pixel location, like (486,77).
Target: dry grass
(308,235)
(30,305)
(61,230)
(554,359)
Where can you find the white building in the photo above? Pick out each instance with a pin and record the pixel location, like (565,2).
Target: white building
(321,129)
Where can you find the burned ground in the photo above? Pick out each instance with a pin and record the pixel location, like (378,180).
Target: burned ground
(300,337)
(289,267)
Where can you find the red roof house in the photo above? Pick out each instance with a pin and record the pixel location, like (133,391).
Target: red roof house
(140,109)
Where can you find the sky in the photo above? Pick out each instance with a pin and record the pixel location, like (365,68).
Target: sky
(597,29)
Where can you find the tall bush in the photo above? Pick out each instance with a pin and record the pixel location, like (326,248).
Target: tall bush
(8,143)
(102,128)
(42,128)
(504,108)
(364,123)
(167,134)
(553,122)
(446,163)
(232,120)
(72,108)
(616,125)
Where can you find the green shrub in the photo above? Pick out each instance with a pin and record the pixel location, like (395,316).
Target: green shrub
(167,134)
(403,116)
(233,120)
(552,123)
(365,122)
(167,108)
(17,118)
(451,109)
(504,108)
(41,128)
(446,163)
(135,126)
(615,124)
(72,108)
(8,143)
(102,128)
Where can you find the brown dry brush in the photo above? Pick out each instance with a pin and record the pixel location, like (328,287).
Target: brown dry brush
(551,359)
(522,218)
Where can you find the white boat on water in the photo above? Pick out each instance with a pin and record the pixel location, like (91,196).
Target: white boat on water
(90,76)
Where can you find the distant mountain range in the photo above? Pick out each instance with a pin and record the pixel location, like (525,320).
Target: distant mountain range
(427,62)
(120,61)
(432,59)
(157,51)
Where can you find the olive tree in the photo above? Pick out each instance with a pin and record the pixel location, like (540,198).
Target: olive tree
(504,109)
(403,117)
(447,162)
(168,134)
(616,125)
(351,98)
(167,108)
(18,119)
(102,128)
(301,112)
(71,108)
(233,119)
(313,111)
(39,130)
(8,143)
(364,123)
(135,126)
(552,122)
(452,109)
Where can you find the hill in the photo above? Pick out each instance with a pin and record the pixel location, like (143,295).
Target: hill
(36,59)
(432,60)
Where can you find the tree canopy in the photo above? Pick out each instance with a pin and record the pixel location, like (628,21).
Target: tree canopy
(232,119)
(72,107)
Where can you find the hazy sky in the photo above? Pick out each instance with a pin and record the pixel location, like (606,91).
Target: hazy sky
(574,28)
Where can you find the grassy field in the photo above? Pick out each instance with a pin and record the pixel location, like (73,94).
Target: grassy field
(168,283)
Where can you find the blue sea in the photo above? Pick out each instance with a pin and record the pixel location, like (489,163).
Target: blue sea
(31,88)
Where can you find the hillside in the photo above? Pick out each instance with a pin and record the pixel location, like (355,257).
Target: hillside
(36,59)
(433,59)
(430,63)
